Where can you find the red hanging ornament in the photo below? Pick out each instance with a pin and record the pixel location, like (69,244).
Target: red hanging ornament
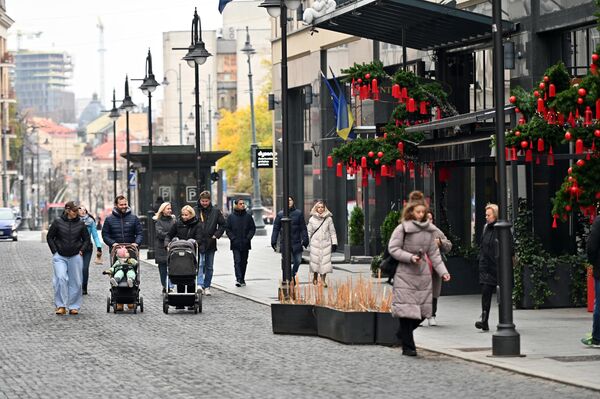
(380,154)
(512,99)
(580,162)
(550,160)
(568,136)
(404,93)
(524,144)
(514,153)
(338,171)
(376,161)
(570,170)
(371,154)
(398,165)
(384,170)
(542,86)
(568,208)
(540,145)
(554,225)
(540,105)
(423,108)
(580,101)
(363,162)
(528,156)
(571,119)
(374,90)
(582,92)
(411,105)
(396,91)
(579,146)
(401,147)
(536,93)
(329,161)
(364,92)
(552,90)
(595,57)
(518,133)
(365,178)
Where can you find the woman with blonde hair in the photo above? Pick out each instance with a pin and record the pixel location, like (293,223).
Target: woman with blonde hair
(411,243)
(163,221)
(322,241)
(488,268)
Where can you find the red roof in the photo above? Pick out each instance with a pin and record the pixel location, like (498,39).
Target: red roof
(105,150)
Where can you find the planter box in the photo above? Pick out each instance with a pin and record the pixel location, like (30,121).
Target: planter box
(346,327)
(465,277)
(353,250)
(560,285)
(386,328)
(293,319)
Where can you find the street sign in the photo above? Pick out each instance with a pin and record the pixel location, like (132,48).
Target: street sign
(191,194)
(264,157)
(132,180)
(165,193)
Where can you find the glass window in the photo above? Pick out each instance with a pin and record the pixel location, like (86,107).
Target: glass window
(551,6)
(581,43)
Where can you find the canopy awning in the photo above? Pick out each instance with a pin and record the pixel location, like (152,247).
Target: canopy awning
(427,25)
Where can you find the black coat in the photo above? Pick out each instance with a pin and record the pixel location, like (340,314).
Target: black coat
(68,236)
(593,248)
(299,233)
(184,230)
(240,230)
(488,257)
(162,226)
(123,228)
(212,223)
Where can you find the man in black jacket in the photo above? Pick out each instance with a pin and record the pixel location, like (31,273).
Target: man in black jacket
(212,226)
(240,230)
(67,238)
(593,254)
(299,234)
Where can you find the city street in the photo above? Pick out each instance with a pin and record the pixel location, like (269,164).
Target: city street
(227,351)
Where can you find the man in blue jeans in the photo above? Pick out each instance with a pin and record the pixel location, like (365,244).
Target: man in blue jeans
(299,234)
(593,254)
(212,227)
(67,238)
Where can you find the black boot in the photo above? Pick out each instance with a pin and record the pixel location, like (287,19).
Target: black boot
(84,290)
(483,324)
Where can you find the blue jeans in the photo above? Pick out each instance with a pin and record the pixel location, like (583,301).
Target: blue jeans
(162,271)
(596,323)
(87,257)
(205,273)
(296,260)
(68,273)
(240,262)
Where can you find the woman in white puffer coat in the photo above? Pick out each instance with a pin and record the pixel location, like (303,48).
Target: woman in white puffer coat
(323,241)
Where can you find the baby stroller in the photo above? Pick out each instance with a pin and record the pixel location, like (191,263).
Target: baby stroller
(122,293)
(182,272)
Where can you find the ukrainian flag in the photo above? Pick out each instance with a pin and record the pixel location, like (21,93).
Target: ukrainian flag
(222,4)
(345,120)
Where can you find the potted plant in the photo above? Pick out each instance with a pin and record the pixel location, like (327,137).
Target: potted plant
(356,234)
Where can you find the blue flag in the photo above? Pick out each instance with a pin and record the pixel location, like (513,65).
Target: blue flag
(222,4)
(344,119)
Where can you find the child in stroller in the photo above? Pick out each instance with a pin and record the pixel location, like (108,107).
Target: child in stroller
(124,266)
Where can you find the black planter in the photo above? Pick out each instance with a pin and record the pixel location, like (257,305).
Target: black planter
(465,277)
(560,285)
(346,327)
(386,328)
(293,319)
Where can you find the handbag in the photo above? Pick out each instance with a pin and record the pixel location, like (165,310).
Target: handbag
(388,263)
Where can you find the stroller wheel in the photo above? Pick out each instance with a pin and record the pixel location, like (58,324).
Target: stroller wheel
(165,305)
(141,304)
(199,303)
(108,304)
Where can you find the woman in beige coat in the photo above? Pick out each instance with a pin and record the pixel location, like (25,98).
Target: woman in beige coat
(322,241)
(411,242)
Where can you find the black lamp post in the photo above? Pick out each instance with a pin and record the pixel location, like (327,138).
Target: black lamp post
(127,105)
(278,8)
(114,116)
(148,86)
(196,56)
(257,208)
(506,340)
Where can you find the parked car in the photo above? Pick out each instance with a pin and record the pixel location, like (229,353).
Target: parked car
(9,223)
(268,215)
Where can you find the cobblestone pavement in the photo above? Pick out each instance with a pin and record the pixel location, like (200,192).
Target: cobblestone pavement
(227,351)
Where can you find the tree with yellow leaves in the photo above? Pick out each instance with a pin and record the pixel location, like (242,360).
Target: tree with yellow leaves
(234,134)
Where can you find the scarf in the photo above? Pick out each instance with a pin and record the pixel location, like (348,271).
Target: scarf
(87,220)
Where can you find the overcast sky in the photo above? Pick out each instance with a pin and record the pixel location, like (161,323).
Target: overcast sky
(130,28)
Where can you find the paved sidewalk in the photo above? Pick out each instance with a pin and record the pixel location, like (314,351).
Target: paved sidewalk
(549,338)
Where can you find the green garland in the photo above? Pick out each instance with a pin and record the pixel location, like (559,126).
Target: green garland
(360,71)
(587,178)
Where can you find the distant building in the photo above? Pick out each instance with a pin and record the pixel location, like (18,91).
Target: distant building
(7,96)
(91,112)
(41,80)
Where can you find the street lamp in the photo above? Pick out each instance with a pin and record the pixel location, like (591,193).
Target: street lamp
(114,116)
(278,8)
(127,105)
(148,86)
(257,208)
(506,340)
(165,82)
(197,55)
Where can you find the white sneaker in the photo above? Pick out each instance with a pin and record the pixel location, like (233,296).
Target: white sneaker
(113,282)
(207,291)
(130,282)
(431,321)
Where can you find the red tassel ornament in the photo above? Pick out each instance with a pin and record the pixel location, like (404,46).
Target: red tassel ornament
(528,155)
(338,171)
(554,224)
(550,160)
(329,161)
(374,90)
(579,146)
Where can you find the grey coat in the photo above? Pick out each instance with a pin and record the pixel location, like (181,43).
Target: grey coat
(412,292)
(162,227)
(444,249)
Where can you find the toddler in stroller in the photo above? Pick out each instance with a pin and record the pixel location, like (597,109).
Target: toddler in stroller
(124,266)
(125,279)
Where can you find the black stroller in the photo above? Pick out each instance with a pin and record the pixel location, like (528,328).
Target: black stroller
(182,272)
(122,293)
